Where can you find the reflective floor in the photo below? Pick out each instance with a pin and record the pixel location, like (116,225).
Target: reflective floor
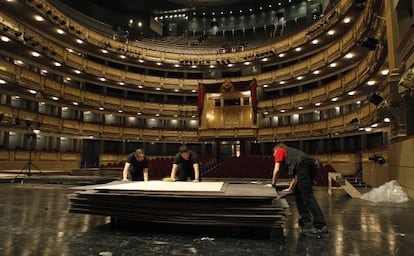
(35,221)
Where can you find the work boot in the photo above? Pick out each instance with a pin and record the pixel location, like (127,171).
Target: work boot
(304,224)
(315,231)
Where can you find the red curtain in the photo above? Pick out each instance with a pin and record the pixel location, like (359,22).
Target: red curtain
(200,100)
(253,93)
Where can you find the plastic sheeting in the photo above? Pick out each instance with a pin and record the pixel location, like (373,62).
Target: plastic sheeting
(389,192)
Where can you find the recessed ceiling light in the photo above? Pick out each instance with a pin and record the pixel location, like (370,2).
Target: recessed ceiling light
(351,93)
(195,66)
(374,125)
(317,104)
(57,64)
(122,56)
(316,72)
(387,120)
(101,108)
(159,63)
(300,108)
(349,56)
(158,89)
(5,39)
(299,77)
(104,51)
(298,49)
(265,85)
(121,83)
(316,41)
(77,71)
(35,54)
(265,59)
(211,66)
(176,65)
(281,55)
(347,20)
(141,61)
(2,81)
(79,41)
(39,18)
(193,90)
(334,99)
(333,65)
(103,79)
(331,32)
(230,65)
(282,111)
(247,63)
(371,82)
(282,82)
(385,72)
(75,103)
(55,98)
(120,111)
(32,91)
(60,31)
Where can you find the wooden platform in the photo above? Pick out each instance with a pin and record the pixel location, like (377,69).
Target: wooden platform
(204,203)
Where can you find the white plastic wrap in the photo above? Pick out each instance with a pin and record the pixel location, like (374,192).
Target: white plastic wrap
(389,192)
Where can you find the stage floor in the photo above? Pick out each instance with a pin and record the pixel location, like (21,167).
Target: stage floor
(35,221)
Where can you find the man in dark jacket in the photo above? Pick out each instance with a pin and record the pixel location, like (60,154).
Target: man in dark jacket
(302,168)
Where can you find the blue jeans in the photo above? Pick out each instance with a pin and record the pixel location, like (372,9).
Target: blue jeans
(305,200)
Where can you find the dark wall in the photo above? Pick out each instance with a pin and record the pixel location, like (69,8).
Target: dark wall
(409,113)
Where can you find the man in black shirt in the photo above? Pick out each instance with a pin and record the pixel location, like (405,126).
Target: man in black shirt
(187,163)
(137,164)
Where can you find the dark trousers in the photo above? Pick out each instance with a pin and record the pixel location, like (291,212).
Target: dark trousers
(305,200)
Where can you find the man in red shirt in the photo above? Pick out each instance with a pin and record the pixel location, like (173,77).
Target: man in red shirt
(301,167)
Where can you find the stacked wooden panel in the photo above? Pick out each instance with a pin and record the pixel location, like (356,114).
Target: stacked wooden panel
(236,205)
